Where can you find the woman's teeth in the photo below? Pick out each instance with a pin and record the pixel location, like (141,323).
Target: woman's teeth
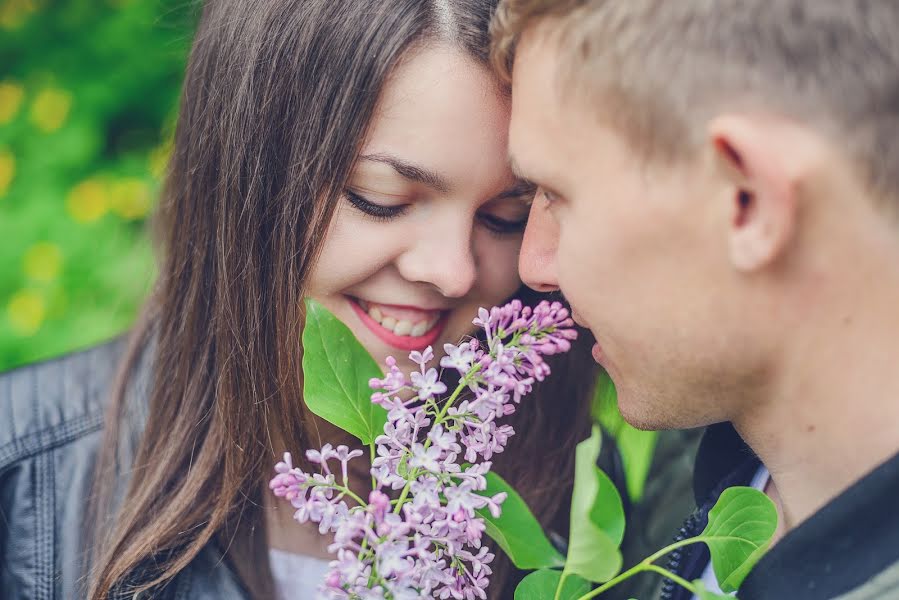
(403,327)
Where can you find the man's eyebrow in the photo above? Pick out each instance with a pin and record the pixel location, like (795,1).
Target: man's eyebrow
(411,172)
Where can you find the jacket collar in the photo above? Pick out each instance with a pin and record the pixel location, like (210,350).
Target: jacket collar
(723,460)
(842,546)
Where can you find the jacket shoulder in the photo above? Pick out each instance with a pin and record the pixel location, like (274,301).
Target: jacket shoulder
(46,404)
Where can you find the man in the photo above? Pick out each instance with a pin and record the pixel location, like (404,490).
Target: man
(719,201)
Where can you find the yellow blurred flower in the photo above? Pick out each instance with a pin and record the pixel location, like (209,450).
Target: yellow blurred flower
(7,170)
(50,109)
(159,158)
(11,95)
(42,262)
(13,13)
(130,198)
(88,201)
(26,311)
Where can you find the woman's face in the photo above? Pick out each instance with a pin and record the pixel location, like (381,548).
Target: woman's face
(430,225)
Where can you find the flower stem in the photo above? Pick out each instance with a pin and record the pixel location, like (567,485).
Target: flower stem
(437,421)
(374,482)
(647,565)
(666,573)
(348,492)
(561,585)
(462,385)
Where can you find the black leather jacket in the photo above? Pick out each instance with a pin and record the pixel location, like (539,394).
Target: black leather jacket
(51,417)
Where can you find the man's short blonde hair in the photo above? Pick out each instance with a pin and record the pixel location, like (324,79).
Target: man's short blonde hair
(658,70)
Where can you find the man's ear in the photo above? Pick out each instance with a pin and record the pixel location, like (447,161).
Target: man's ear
(755,162)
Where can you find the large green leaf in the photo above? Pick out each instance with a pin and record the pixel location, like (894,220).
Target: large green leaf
(741,526)
(592,549)
(542,584)
(336,371)
(607,512)
(516,530)
(637,447)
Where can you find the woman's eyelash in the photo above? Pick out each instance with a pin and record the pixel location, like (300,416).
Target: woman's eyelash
(503,226)
(495,224)
(378,211)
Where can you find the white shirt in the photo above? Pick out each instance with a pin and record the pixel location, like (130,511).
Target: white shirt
(297,577)
(759,482)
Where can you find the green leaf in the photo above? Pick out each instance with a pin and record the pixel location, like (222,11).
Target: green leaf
(703,594)
(741,526)
(636,447)
(593,545)
(516,530)
(336,371)
(607,512)
(542,584)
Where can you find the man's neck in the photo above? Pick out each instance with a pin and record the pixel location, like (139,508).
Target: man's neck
(832,414)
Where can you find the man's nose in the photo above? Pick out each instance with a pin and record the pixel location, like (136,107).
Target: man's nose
(537,261)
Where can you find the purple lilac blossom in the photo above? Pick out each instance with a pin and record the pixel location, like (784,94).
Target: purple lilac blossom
(428,542)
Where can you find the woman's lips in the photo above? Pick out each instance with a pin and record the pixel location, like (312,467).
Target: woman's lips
(404,328)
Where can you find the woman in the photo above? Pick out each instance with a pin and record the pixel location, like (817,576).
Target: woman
(349,151)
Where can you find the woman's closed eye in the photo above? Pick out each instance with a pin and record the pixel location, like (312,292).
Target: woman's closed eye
(503,226)
(494,219)
(380,212)
(506,216)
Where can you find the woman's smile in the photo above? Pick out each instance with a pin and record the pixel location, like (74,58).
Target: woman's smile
(405,328)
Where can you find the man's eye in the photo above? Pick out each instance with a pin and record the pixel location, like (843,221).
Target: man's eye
(548,196)
(372,209)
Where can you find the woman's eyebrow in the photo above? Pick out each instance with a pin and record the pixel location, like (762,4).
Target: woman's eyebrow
(414,173)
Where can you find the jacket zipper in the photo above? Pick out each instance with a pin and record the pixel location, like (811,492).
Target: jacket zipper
(676,558)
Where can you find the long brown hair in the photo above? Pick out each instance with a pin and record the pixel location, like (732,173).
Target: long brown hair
(277,100)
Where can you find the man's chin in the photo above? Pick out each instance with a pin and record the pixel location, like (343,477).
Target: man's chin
(648,415)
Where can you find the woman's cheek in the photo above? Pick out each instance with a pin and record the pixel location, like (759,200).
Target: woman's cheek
(498,261)
(354,249)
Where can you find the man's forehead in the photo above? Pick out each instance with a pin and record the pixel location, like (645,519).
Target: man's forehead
(535,124)
(537,54)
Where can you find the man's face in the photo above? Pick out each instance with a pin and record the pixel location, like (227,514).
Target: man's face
(638,249)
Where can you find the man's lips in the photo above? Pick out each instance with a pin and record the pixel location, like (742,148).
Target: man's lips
(597,349)
(405,328)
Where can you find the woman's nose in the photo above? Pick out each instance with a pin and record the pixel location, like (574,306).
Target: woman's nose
(537,261)
(444,258)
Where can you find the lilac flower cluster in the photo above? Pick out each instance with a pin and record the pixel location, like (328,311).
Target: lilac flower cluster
(428,540)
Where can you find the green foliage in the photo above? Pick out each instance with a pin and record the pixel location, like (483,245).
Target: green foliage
(636,447)
(88,93)
(597,518)
(741,526)
(544,584)
(517,531)
(704,594)
(607,511)
(336,370)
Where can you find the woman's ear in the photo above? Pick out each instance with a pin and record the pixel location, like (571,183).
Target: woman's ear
(755,161)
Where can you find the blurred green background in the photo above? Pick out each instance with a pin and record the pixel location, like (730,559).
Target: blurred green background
(88,95)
